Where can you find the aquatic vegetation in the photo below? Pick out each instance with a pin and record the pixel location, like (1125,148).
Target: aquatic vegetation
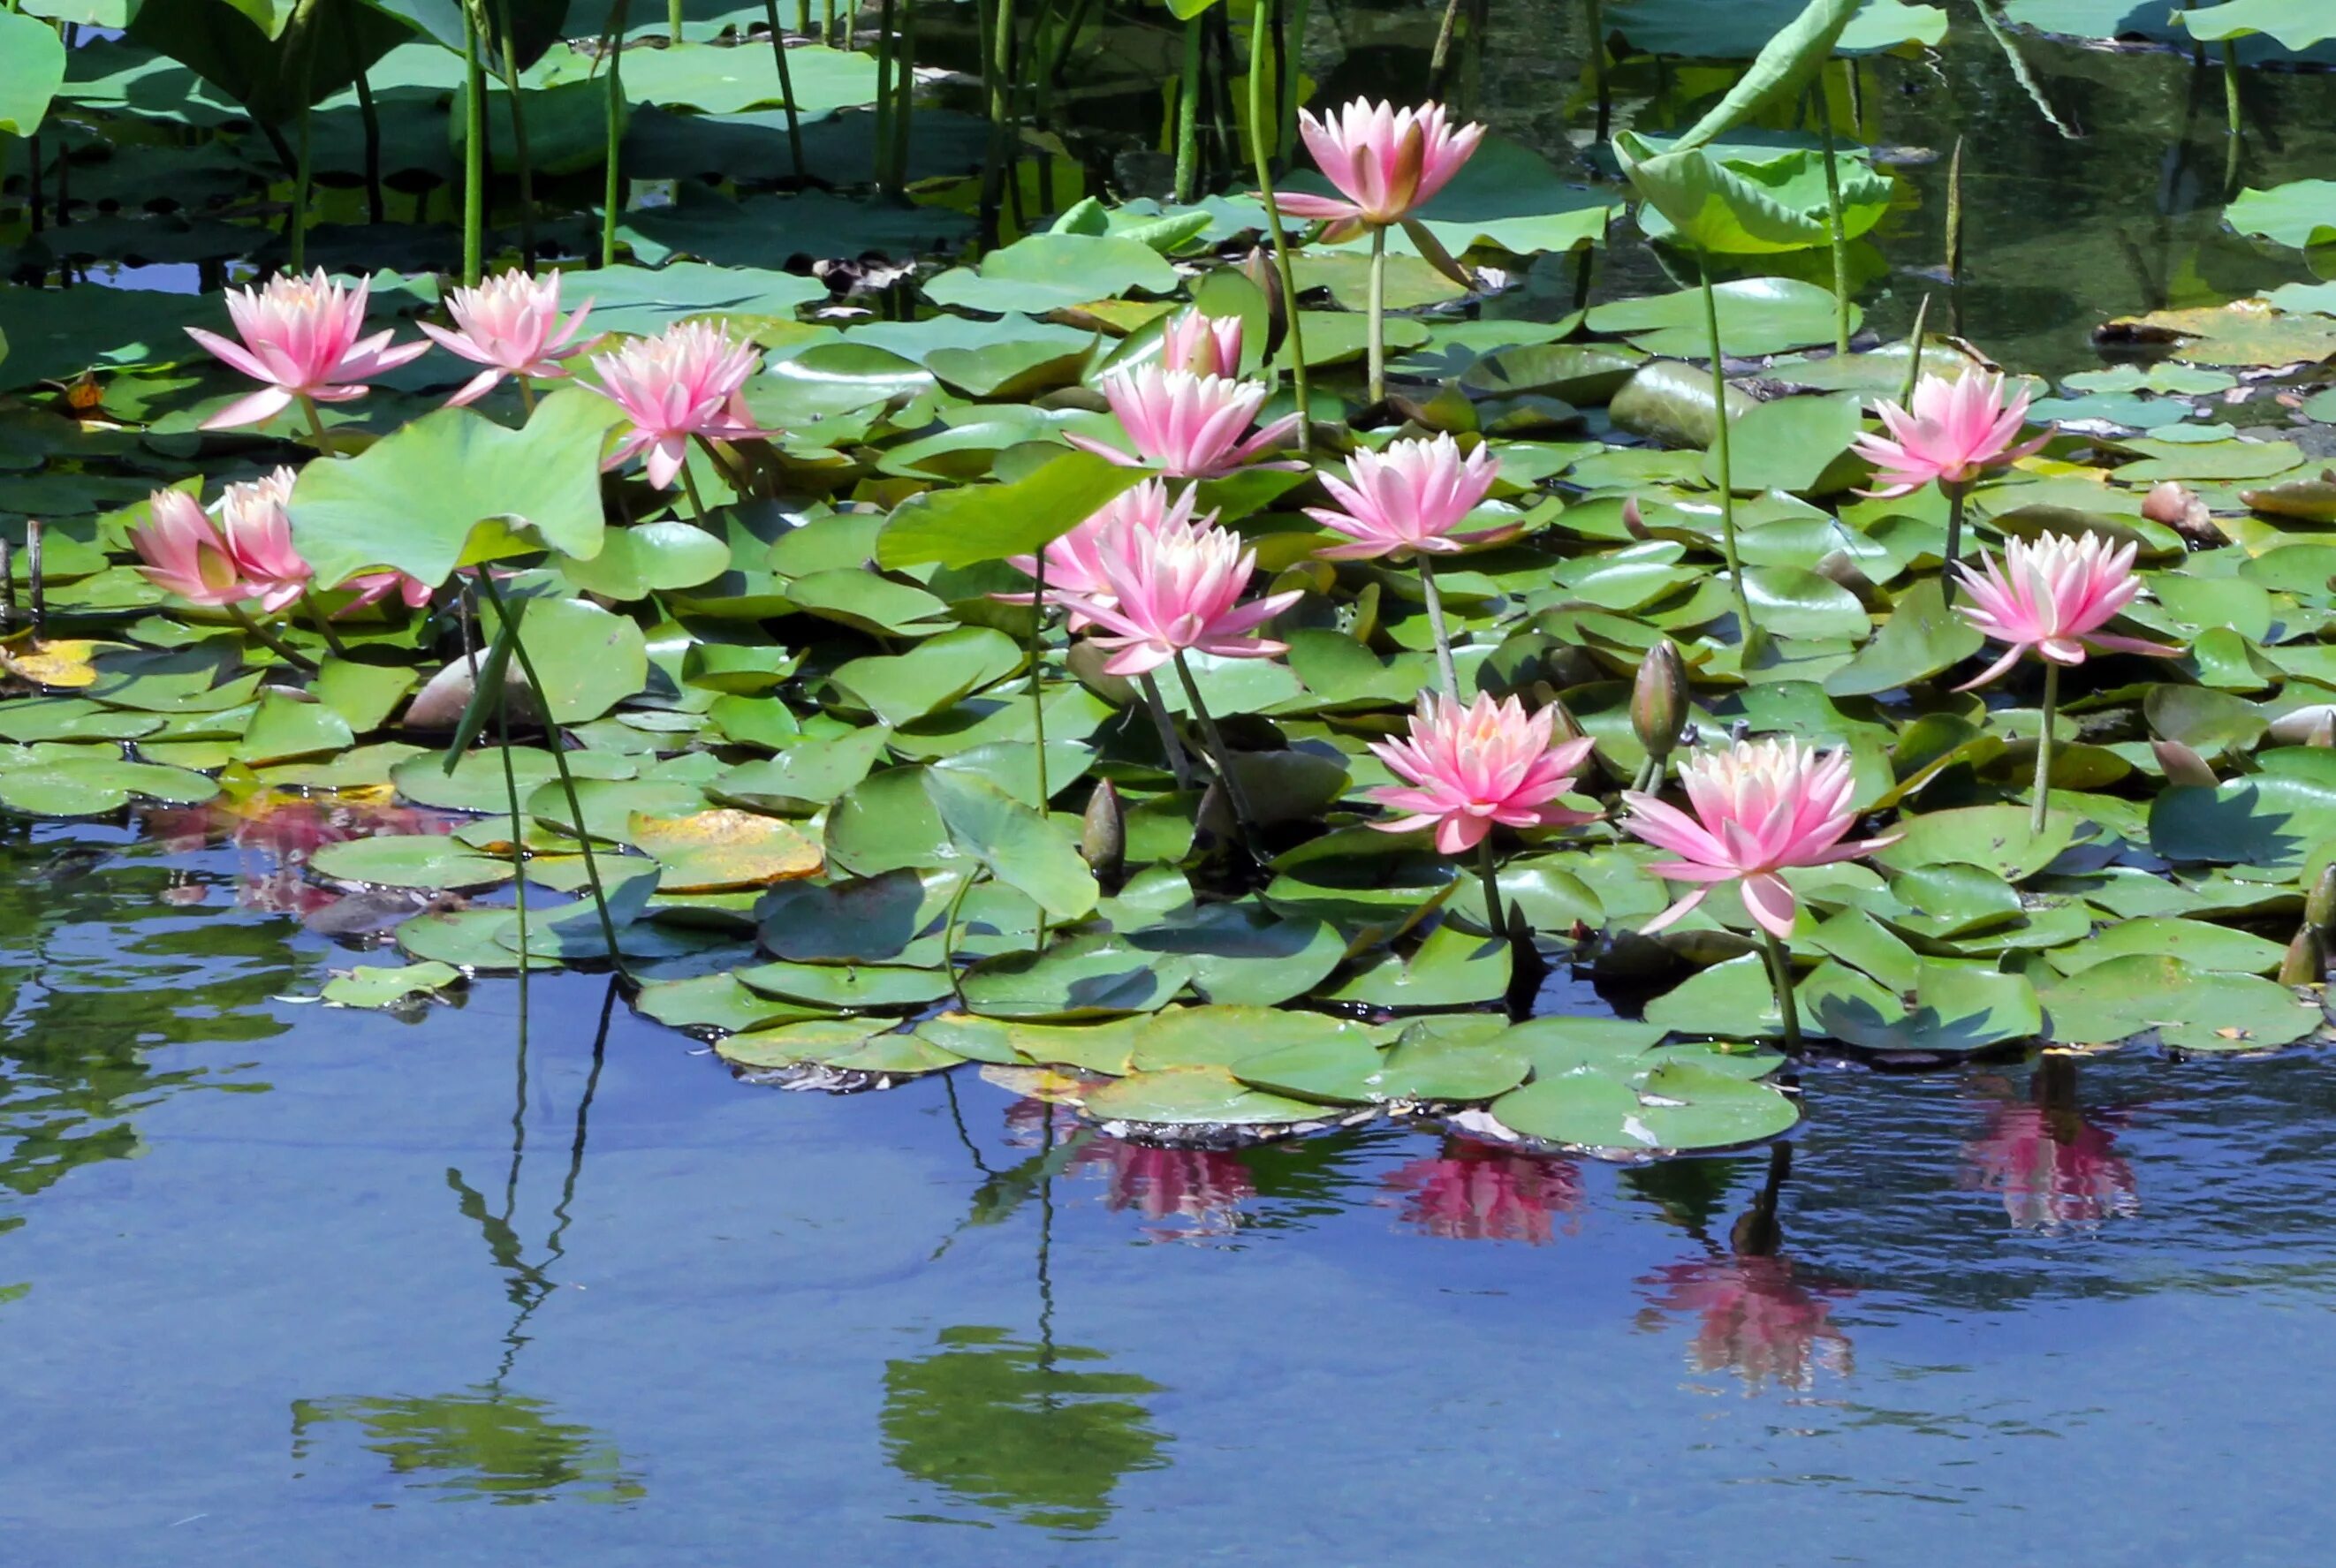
(842,730)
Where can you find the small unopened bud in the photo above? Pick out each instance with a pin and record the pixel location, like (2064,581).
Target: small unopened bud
(1659,698)
(2320,905)
(2324,732)
(1562,725)
(1634,522)
(1102,835)
(2306,963)
(2180,765)
(1258,268)
(2170,504)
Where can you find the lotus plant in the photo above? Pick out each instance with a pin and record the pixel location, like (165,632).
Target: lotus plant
(1465,769)
(300,336)
(1170,591)
(1187,426)
(1203,344)
(241,556)
(511,324)
(688,381)
(2052,596)
(1955,430)
(1760,808)
(1409,500)
(1386,164)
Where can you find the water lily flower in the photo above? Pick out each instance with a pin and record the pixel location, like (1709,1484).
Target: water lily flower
(1187,426)
(511,324)
(688,381)
(1174,588)
(1958,428)
(1387,163)
(1075,562)
(244,553)
(1409,499)
(1761,807)
(2053,594)
(373,586)
(1468,768)
(301,336)
(1202,344)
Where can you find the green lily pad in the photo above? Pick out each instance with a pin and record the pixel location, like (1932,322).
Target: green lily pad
(432,861)
(2186,1007)
(1189,1096)
(381,986)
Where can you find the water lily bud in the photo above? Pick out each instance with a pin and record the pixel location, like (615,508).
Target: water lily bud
(1562,725)
(1258,268)
(2306,963)
(2180,508)
(1102,835)
(2180,765)
(2324,732)
(1634,522)
(2319,907)
(1659,698)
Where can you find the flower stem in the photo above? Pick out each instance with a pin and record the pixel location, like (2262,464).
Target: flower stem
(689,487)
(1170,742)
(474,148)
(1039,691)
(1487,867)
(317,436)
(1444,668)
(325,626)
(1257,28)
(1780,971)
(1839,226)
(526,398)
(1188,116)
(1954,542)
(517,822)
(1719,453)
(269,640)
(612,174)
(949,934)
(1219,754)
(2037,811)
(1377,312)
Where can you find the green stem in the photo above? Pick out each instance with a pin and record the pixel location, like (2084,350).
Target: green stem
(1838,225)
(1597,69)
(1914,353)
(1434,597)
(486,580)
(1038,683)
(1954,542)
(1721,454)
(269,641)
(517,822)
(894,176)
(376,201)
(1006,128)
(1377,303)
(519,140)
(612,178)
(474,149)
(526,398)
(1497,923)
(1188,116)
(2231,89)
(1172,744)
(885,57)
(948,933)
(325,626)
(673,19)
(1780,974)
(1273,223)
(689,487)
(298,241)
(2036,812)
(1220,756)
(787,82)
(317,436)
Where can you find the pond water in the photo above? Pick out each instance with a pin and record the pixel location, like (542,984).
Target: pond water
(277,1277)
(534,1275)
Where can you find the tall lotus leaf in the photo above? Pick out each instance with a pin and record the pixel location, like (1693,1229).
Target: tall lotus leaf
(1741,28)
(2301,213)
(1743,200)
(535,25)
(32,69)
(1779,72)
(453,488)
(982,523)
(2298,24)
(256,62)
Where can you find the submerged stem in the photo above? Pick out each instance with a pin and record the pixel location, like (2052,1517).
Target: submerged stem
(1780,972)
(1444,667)
(2043,804)
(1720,454)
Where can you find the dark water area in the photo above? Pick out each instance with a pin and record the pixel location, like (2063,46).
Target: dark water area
(284,1282)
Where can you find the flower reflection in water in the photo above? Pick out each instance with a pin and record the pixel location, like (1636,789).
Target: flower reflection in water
(1203,1188)
(277,834)
(1473,1191)
(1756,1315)
(2056,1167)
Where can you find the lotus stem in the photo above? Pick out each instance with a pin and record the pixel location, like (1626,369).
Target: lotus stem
(1170,742)
(1439,57)
(1280,241)
(1488,867)
(297,240)
(518,823)
(1378,305)
(269,640)
(1719,453)
(2041,805)
(948,933)
(886,56)
(673,19)
(1188,116)
(1955,216)
(612,178)
(1597,69)
(1838,223)
(316,417)
(376,202)
(1914,355)
(1220,755)
(895,175)
(518,139)
(1039,686)
(325,626)
(1780,973)
(689,487)
(526,397)
(474,149)
(486,582)
(2231,106)
(1955,542)
(1434,597)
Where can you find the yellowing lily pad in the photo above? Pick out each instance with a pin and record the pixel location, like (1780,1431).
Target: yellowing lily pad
(711,850)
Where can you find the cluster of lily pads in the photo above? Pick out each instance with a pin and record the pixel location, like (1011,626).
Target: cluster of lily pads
(1058,677)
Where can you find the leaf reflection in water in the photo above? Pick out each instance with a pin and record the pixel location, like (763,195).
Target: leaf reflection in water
(277,834)
(477,1446)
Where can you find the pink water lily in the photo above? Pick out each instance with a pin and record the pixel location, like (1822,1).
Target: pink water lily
(1176,589)
(301,336)
(2053,595)
(688,381)
(511,324)
(1187,426)
(1761,807)
(1387,163)
(373,586)
(1075,562)
(1203,344)
(1958,429)
(1468,768)
(244,553)
(1407,500)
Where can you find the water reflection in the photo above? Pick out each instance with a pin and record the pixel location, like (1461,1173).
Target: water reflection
(481,1445)
(1180,1193)
(276,835)
(1757,1314)
(2056,1166)
(1473,1191)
